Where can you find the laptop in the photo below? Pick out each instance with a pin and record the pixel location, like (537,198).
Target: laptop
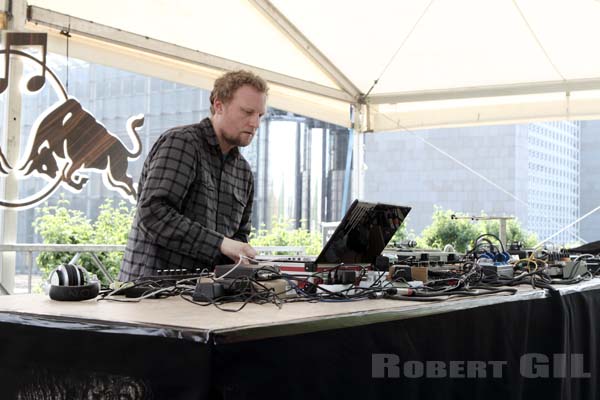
(360,237)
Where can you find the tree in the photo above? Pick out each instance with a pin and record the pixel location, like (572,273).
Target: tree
(514,232)
(60,225)
(402,233)
(461,233)
(281,234)
(112,227)
(444,230)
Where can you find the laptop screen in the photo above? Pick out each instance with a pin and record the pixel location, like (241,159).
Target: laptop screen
(363,233)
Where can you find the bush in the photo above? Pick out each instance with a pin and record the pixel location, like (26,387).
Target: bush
(112,227)
(514,232)
(282,234)
(402,234)
(461,233)
(444,230)
(60,225)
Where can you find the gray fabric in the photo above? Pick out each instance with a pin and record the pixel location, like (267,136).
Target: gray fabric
(189,198)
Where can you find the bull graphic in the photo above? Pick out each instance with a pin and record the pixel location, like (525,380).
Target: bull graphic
(81,143)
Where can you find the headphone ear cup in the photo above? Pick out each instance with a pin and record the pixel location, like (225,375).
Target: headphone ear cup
(72,285)
(62,276)
(72,273)
(74,293)
(80,275)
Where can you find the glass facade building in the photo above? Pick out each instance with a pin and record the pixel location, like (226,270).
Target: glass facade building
(296,160)
(541,173)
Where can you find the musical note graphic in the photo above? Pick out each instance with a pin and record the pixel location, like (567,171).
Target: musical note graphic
(36,82)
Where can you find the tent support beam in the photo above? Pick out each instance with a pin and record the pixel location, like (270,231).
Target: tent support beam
(488,91)
(11,140)
(275,16)
(358,173)
(58,21)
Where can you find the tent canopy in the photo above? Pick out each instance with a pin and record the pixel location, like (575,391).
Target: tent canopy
(405,64)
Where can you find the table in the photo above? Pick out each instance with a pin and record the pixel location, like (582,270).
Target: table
(527,345)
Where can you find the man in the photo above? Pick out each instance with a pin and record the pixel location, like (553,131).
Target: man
(196,190)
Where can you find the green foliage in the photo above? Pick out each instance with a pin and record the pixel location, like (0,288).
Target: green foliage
(402,233)
(444,230)
(112,227)
(282,234)
(514,232)
(461,233)
(61,225)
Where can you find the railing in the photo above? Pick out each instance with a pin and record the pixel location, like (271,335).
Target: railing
(29,249)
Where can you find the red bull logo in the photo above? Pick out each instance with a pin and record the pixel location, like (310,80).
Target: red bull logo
(66,141)
(4,165)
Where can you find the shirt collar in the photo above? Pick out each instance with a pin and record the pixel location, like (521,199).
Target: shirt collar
(211,138)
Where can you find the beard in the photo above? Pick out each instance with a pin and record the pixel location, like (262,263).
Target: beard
(241,139)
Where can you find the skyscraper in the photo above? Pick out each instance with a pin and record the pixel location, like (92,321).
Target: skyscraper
(589,182)
(530,171)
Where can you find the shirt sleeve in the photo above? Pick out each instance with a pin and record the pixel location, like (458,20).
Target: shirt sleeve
(246,223)
(170,173)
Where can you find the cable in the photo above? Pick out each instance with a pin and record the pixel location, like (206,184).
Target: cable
(484,178)
(492,235)
(232,269)
(468,280)
(399,48)
(538,41)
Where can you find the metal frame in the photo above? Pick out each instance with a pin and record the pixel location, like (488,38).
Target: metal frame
(15,13)
(488,91)
(296,36)
(76,26)
(349,92)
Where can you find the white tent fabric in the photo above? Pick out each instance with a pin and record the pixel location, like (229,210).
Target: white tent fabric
(436,62)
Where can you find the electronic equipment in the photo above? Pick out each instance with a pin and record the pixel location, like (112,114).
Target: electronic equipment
(359,239)
(588,248)
(208,290)
(497,270)
(593,265)
(69,282)
(261,271)
(408,273)
(363,233)
(568,269)
(382,263)
(516,249)
(429,257)
(280,287)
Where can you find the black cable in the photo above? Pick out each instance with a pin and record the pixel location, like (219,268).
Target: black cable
(414,298)
(494,236)
(450,285)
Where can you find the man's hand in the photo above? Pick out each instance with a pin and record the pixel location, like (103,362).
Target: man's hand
(233,249)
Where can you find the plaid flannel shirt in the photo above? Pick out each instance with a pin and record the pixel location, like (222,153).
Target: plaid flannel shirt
(190,197)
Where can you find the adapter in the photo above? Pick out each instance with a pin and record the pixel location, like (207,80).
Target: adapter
(208,291)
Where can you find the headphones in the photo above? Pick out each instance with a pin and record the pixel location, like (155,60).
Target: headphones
(69,282)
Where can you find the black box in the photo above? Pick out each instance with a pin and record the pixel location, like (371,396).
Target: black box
(207,291)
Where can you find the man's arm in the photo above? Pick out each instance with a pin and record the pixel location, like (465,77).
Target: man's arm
(238,244)
(170,174)
(245,227)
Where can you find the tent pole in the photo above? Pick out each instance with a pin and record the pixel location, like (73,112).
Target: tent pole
(358,152)
(348,169)
(10,144)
